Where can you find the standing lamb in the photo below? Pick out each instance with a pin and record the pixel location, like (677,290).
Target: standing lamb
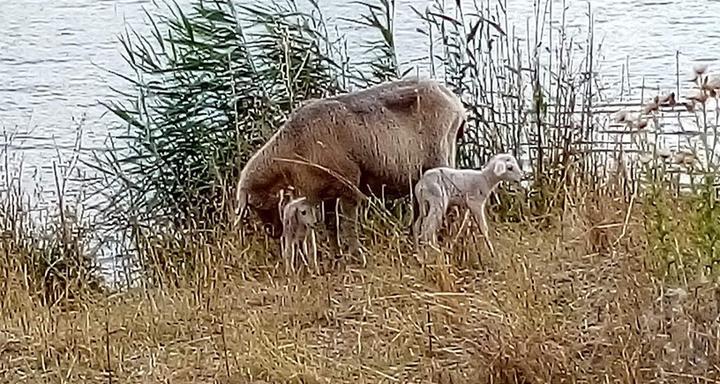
(299,218)
(373,141)
(441,188)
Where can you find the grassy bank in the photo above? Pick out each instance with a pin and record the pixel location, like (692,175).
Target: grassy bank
(577,300)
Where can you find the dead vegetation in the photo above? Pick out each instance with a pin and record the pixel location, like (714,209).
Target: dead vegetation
(558,304)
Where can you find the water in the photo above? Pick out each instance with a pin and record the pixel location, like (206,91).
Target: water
(54,57)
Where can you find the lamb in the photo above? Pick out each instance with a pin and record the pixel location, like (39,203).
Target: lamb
(442,188)
(342,148)
(299,219)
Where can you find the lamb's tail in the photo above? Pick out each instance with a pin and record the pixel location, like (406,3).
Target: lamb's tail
(419,200)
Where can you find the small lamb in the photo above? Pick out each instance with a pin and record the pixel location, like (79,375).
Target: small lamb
(299,218)
(442,188)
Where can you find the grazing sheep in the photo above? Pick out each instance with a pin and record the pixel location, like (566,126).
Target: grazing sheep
(299,218)
(374,141)
(442,188)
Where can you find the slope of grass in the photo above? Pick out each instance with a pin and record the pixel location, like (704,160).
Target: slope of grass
(575,301)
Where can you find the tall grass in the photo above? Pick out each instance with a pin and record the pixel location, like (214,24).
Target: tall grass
(210,86)
(44,253)
(683,226)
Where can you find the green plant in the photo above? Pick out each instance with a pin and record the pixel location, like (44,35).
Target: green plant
(380,56)
(210,86)
(705,224)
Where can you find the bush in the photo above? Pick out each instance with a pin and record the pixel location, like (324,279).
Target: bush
(210,87)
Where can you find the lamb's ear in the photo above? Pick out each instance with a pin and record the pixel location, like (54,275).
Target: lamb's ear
(281,203)
(499,168)
(291,220)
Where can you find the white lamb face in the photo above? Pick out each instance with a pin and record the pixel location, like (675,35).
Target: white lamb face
(306,214)
(507,168)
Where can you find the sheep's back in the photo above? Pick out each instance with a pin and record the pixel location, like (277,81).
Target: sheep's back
(403,132)
(391,132)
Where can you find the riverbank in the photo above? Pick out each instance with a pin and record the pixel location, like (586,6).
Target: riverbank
(607,266)
(582,298)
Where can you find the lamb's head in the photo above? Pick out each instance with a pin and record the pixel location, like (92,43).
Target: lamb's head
(506,167)
(301,212)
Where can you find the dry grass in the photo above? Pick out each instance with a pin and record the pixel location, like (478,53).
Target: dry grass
(573,302)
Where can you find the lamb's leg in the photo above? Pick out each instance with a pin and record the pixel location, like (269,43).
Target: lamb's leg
(416,230)
(478,210)
(304,251)
(310,253)
(432,222)
(314,252)
(417,226)
(462,226)
(434,208)
(295,250)
(286,253)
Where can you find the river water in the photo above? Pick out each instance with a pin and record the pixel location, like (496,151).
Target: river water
(55,56)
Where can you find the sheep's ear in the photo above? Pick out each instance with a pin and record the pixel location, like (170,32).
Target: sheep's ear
(499,168)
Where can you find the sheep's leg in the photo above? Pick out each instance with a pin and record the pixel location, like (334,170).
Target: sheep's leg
(348,202)
(454,135)
(433,209)
(443,155)
(478,210)
(451,152)
(241,199)
(350,208)
(332,223)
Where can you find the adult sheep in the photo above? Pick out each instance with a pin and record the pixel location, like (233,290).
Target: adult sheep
(376,141)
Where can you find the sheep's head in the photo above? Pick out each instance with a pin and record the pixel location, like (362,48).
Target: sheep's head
(506,167)
(302,212)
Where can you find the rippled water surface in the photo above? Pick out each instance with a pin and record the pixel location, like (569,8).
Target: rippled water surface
(54,56)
